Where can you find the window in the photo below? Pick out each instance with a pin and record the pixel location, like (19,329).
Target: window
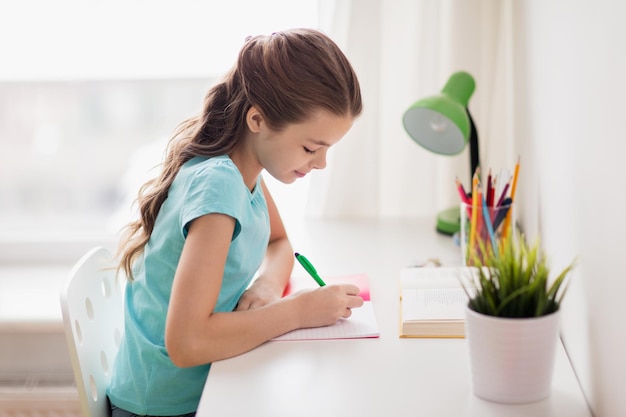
(91,90)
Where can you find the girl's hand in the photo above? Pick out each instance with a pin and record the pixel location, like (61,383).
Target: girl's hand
(260,293)
(325,305)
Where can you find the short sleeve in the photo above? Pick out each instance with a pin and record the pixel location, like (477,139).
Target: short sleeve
(216,187)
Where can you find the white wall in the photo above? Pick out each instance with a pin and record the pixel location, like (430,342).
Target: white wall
(570,102)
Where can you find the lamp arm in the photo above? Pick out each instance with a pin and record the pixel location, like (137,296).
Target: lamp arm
(473,146)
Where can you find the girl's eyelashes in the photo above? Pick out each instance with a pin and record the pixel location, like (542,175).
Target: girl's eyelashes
(307,150)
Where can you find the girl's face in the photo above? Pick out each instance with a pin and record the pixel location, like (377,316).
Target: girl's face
(294,151)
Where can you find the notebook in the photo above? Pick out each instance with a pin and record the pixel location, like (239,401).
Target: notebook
(360,325)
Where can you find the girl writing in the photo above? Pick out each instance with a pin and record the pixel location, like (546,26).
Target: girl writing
(208,224)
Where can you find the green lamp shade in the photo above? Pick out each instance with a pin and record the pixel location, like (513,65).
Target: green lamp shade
(440,123)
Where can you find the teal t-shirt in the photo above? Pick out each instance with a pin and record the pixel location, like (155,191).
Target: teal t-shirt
(144,380)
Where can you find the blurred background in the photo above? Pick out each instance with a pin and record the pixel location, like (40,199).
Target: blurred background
(90,90)
(89,94)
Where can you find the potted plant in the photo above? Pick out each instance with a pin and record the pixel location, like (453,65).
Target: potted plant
(512,321)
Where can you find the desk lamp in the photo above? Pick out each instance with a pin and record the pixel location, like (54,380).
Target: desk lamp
(443,125)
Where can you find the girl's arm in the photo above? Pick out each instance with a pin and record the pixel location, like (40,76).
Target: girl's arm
(277,266)
(195,335)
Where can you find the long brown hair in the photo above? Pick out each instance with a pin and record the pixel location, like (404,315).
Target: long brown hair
(286,76)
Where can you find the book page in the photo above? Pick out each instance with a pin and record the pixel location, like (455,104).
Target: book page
(361,324)
(435,293)
(440,277)
(433,304)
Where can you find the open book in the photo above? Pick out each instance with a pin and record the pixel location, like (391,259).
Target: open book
(433,301)
(361,324)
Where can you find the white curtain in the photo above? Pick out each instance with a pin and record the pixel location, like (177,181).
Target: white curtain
(402,51)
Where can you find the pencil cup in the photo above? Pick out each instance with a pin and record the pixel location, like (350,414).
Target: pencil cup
(483,228)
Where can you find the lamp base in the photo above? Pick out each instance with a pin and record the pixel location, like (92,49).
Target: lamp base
(449,221)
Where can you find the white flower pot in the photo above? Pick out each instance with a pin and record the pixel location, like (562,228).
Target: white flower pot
(512,360)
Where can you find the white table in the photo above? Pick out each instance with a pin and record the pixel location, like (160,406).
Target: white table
(388,376)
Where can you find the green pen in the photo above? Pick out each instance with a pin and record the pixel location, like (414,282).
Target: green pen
(310,269)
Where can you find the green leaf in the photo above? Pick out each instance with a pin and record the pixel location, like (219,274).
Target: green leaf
(513,282)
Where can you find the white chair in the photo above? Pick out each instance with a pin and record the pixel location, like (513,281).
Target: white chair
(93,318)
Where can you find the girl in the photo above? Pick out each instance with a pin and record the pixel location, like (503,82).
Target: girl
(208,224)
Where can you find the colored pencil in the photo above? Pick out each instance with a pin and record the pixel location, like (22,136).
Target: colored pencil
(503,194)
(474,219)
(489,227)
(507,220)
(502,212)
(462,193)
(490,189)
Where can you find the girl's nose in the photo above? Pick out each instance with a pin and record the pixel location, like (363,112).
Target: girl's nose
(319,162)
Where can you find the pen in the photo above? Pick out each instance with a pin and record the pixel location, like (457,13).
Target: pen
(310,269)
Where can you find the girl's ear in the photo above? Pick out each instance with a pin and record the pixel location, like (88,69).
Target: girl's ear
(254,120)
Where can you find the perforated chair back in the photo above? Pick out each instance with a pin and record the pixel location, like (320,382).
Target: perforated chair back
(93,318)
